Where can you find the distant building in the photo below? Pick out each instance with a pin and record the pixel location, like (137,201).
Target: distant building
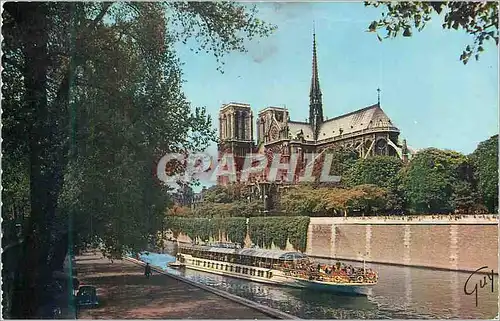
(368,131)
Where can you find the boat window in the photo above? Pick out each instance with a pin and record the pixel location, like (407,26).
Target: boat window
(270,275)
(232,268)
(227,266)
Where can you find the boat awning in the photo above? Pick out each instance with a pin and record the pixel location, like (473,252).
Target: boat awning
(272,254)
(261,253)
(210,249)
(221,250)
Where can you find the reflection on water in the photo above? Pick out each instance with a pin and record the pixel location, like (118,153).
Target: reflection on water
(402,293)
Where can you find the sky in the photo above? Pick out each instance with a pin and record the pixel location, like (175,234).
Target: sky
(429,94)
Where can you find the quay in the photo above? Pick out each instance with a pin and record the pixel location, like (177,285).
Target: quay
(125,293)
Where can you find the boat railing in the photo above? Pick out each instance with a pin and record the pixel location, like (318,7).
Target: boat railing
(341,276)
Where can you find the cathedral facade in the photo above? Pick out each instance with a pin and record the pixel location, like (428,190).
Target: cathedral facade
(368,131)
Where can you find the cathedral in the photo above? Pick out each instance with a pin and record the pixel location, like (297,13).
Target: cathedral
(368,131)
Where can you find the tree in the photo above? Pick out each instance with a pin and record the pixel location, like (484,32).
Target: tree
(217,194)
(485,162)
(177,210)
(378,170)
(479,19)
(366,199)
(303,200)
(432,177)
(382,171)
(327,201)
(464,197)
(97,89)
(342,159)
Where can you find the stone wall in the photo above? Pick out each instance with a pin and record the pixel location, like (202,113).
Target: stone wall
(457,244)
(464,244)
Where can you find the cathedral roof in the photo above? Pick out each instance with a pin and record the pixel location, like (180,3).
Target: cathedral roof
(362,119)
(295,127)
(370,117)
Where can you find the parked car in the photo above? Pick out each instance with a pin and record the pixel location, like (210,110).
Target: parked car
(87,297)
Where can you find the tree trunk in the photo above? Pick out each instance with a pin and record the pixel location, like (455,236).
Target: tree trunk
(33,272)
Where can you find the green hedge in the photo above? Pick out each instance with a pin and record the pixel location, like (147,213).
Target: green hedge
(235,228)
(267,230)
(206,228)
(263,231)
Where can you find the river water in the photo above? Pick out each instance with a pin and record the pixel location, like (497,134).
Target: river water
(401,293)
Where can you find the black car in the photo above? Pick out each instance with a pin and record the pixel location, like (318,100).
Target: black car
(87,297)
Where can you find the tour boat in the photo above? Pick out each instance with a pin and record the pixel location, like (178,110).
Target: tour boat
(275,267)
(176,265)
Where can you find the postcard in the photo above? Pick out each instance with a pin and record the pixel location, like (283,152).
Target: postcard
(250,160)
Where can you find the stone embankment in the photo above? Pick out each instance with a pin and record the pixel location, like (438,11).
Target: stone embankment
(461,243)
(449,242)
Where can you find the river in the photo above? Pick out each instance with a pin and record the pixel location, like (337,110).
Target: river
(401,293)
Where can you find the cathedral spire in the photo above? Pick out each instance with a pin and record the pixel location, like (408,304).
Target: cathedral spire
(315,101)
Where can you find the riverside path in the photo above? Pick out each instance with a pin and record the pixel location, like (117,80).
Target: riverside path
(125,293)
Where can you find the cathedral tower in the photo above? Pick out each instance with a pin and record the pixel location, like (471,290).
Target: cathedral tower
(236,132)
(236,122)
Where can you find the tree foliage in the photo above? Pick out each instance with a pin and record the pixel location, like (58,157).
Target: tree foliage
(342,161)
(224,26)
(433,177)
(378,170)
(479,19)
(205,229)
(227,194)
(265,231)
(382,171)
(326,201)
(231,200)
(485,162)
(93,97)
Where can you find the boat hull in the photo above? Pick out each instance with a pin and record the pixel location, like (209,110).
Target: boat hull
(280,279)
(347,288)
(176,265)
